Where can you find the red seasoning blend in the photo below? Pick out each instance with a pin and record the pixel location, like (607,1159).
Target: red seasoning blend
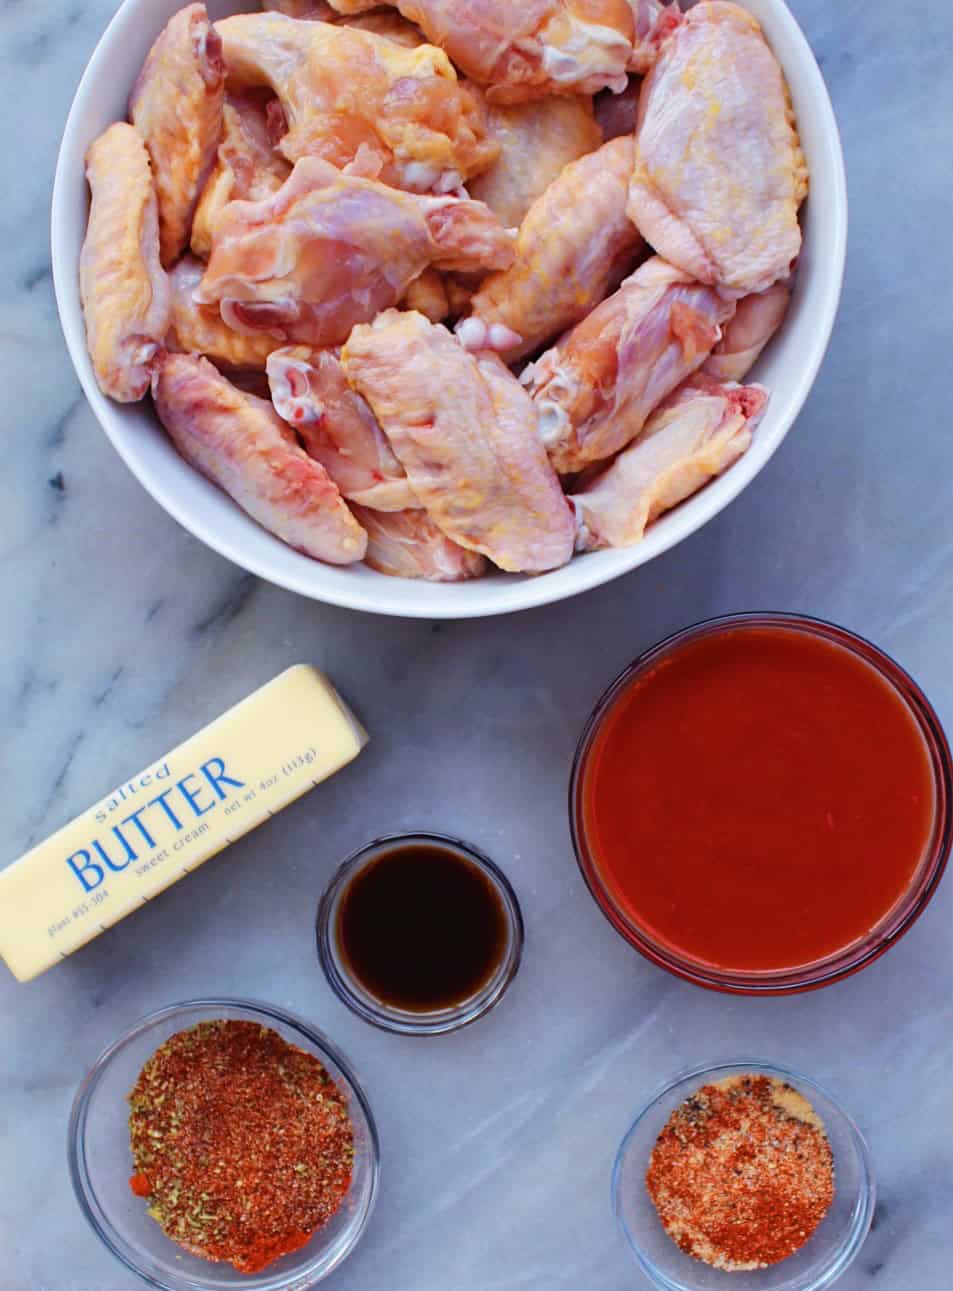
(742,1173)
(241,1141)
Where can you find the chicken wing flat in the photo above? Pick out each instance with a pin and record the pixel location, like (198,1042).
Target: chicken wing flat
(575,244)
(362,101)
(696,434)
(176,105)
(199,329)
(597,386)
(756,320)
(719,174)
(241,444)
(536,141)
(246,168)
(530,48)
(407,544)
(465,432)
(124,290)
(337,428)
(329,250)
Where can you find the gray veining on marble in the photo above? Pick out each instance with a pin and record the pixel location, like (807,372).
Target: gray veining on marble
(121,634)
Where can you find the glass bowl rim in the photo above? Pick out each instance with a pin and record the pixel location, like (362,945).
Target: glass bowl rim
(398,1021)
(87,1198)
(843,1256)
(858,954)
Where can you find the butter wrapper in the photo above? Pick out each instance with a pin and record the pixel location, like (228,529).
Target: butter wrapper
(155,828)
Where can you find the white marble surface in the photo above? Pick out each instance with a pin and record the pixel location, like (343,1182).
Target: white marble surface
(121,634)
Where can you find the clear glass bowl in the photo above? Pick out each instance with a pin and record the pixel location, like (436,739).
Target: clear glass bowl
(822,1259)
(100,1162)
(387,1016)
(880,938)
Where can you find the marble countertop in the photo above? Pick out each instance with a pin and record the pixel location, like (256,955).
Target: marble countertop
(122,634)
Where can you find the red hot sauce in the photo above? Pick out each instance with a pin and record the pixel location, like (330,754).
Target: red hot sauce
(757,799)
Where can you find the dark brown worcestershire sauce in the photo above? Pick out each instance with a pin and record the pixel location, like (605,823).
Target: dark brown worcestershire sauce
(421,928)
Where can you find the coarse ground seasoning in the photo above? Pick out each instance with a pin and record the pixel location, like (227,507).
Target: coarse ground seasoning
(742,1173)
(241,1141)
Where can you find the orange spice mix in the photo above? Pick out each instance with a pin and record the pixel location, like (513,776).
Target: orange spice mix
(742,1173)
(241,1141)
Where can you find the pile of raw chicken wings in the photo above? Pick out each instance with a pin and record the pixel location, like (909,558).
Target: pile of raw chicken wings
(452,284)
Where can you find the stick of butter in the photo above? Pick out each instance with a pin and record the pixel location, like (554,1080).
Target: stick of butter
(157,827)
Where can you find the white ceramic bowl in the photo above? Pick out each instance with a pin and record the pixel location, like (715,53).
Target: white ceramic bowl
(788,368)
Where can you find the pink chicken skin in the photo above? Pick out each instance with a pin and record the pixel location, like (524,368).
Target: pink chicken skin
(362,101)
(310,391)
(239,442)
(176,105)
(247,167)
(199,329)
(407,544)
(329,250)
(575,244)
(596,387)
(756,320)
(124,291)
(526,49)
(696,434)
(465,433)
(719,174)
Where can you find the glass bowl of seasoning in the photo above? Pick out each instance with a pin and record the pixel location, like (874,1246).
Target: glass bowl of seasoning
(762,803)
(419,933)
(743,1174)
(222,1143)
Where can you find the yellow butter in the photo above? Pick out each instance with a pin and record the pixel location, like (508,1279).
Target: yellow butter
(157,827)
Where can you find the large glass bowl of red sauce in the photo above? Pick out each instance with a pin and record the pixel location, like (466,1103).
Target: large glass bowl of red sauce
(762,803)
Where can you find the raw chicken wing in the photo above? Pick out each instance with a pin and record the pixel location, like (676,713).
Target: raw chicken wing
(536,141)
(695,435)
(241,444)
(124,291)
(338,429)
(407,544)
(247,166)
(756,320)
(575,244)
(595,389)
(198,329)
(465,433)
(383,22)
(719,172)
(526,49)
(363,102)
(176,105)
(329,250)
(654,20)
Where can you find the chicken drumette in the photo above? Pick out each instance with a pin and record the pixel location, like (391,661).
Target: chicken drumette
(362,101)
(575,244)
(329,250)
(597,386)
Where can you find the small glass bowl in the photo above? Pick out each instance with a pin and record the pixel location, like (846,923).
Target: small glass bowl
(387,1016)
(857,955)
(100,1162)
(821,1260)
